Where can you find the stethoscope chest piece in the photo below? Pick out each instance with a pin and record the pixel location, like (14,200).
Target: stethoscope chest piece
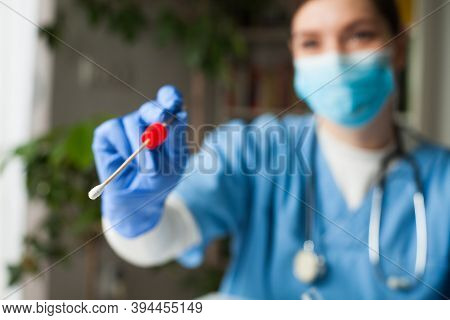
(308,265)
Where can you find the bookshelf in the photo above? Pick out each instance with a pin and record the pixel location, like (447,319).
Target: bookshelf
(262,82)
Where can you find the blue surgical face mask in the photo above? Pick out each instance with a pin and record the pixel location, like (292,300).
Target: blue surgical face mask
(350,89)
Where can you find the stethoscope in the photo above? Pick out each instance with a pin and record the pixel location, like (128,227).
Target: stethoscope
(309,266)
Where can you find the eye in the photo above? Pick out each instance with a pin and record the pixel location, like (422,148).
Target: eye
(309,44)
(364,35)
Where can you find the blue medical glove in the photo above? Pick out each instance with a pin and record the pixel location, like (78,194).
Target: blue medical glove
(133,202)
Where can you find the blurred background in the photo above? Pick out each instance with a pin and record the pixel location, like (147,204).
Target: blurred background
(67,65)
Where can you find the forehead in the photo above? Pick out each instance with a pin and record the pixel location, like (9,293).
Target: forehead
(317,15)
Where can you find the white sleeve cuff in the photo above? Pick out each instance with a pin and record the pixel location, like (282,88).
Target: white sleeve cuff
(176,232)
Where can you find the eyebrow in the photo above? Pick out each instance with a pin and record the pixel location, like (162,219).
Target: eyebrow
(304,34)
(353,25)
(364,21)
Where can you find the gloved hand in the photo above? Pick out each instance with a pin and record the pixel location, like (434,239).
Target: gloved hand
(134,201)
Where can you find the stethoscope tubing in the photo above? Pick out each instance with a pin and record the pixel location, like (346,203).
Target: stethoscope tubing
(394,283)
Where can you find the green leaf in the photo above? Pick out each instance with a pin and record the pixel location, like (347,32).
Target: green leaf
(78,146)
(15,274)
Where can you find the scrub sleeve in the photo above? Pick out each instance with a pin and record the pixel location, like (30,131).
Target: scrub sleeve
(215,188)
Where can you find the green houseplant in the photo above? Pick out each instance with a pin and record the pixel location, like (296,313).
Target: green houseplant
(59,168)
(208,33)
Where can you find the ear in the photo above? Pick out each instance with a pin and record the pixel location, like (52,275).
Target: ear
(400,52)
(289,46)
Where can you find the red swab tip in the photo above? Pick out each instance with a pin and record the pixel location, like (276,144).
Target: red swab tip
(154,135)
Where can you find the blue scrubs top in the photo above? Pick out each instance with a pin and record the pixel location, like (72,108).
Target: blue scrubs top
(248,182)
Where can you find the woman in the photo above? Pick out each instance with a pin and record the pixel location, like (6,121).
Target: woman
(299,196)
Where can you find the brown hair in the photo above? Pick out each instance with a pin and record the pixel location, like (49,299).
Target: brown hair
(387,8)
